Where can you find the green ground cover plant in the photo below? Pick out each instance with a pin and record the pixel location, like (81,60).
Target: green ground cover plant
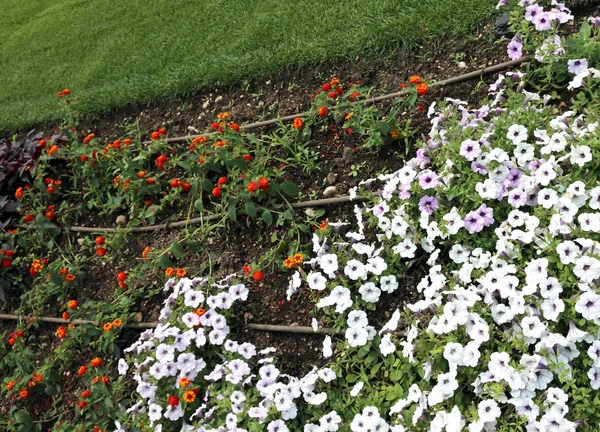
(112,54)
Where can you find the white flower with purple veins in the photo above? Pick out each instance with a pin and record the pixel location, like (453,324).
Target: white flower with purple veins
(381,209)
(545,174)
(327,351)
(376,265)
(479,332)
(186,362)
(355,270)
(587,269)
(517,133)
(428,179)
(145,390)
(174,413)
(594,353)
(406,248)
(277,426)
(543,21)
(454,352)
(488,410)
(581,76)
(316,281)
(193,298)
(238,292)
(547,198)
(190,319)
(532,11)
(154,412)
(356,336)
(470,149)
(532,327)
(357,319)
(580,155)
(329,264)
(165,353)
(489,189)
(217,337)
(386,346)
(588,305)
(123,367)
(577,66)
(247,350)
(594,376)
(388,284)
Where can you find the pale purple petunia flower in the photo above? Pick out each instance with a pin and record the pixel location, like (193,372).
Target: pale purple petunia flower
(474,223)
(543,21)
(501,3)
(470,149)
(478,168)
(595,21)
(533,11)
(487,214)
(428,204)
(577,66)
(404,192)
(517,197)
(428,179)
(515,49)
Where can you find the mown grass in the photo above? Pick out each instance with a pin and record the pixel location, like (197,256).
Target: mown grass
(110,53)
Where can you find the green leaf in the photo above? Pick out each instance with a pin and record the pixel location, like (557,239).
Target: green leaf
(351,378)
(239,163)
(290,188)
(231,211)
(585,31)
(165,262)
(24,418)
(199,205)
(288,214)
(207,185)
(53,376)
(267,217)
(177,250)
(250,209)
(51,390)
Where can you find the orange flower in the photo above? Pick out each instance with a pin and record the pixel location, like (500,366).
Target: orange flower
(298,123)
(288,263)
(117,323)
(199,140)
(101,252)
(252,186)
(122,276)
(222,181)
(70,277)
(219,144)
(150,181)
(189,396)
(323,225)
(83,158)
(100,240)
(65,316)
(223,116)
(19,193)
(50,189)
(82,405)
(169,272)
(422,89)
(52,150)
(61,332)
(63,271)
(161,161)
(184,382)
(200,312)
(235,127)
(175,183)
(73,304)
(107,327)
(97,361)
(180,273)
(95,380)
(322,111)
(395,133)
(155,135)
(415,79)
(12,341)
(82,370)
(116,180)
(86,393)
(145,252)
(217,192)
(142,174)
(38,377)
(263,183)
(258,275)
(105,380)
(24,393)
(11,385)
(335,81)
(162,131)
(298,258)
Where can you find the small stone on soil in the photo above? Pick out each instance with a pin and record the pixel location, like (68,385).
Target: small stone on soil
(331,178)
(329,191)
(310,212)
(121,221)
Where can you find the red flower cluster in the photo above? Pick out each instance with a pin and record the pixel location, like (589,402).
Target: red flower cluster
(13,336)
(65,92)
(161,161)
(157,134)
(100,249)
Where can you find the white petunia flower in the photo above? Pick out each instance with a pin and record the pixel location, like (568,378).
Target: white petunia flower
(386,346)
(316,281)
(488,410)
(369,292)
(355,270)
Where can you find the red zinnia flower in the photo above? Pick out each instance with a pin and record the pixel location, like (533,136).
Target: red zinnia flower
(326,87)
(258,275)
(101,252)
(263,183)
(100,240)
(322,111)
(155,135)
(217,192)
(222,181)
(252,186)
(422,89)
(173,401)
(162,131)
(121,277)
(186,186)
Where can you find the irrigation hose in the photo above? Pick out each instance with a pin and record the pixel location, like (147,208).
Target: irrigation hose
(454,80)
(149,325)
(202,219)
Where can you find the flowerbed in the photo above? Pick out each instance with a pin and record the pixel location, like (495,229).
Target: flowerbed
(499,205)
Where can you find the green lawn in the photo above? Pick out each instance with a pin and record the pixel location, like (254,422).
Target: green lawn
(110,53)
